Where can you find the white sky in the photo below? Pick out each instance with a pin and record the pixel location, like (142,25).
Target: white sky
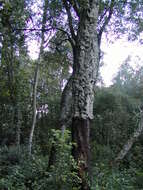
(33,49)
(115,54)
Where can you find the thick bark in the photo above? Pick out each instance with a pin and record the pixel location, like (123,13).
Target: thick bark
(81,151)
(86,54)
(103,22)
(86,59)
(36,77)
(85,64)
(128,145)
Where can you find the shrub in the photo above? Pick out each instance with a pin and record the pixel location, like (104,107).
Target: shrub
(34,174)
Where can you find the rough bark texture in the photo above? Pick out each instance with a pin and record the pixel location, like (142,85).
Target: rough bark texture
(103,22)
(128,145)
(85,63)
(86,59)
(86,54)
(81,151)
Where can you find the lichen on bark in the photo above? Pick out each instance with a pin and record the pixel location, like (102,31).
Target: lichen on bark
(85,64)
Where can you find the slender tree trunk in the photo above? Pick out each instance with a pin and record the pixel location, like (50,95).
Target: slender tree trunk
(36,77)
(128,145)
(65,117)
(34,107)
(18,123)
(66,106)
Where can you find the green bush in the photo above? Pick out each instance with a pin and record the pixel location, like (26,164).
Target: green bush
(34,173)
(63,173)
(107,178)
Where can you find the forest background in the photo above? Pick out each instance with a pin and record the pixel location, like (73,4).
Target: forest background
(49,138)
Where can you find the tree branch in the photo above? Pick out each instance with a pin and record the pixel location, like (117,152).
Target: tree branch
(75,6)
(32,29)
(128,145)
(69,38)
(46,29)
(70,20)
(107,19)
(103,15)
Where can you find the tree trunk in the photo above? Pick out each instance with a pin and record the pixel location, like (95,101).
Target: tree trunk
(34,108)
(66,106)
(18,123)
(36,78)
(86,59)
(128,145)
(81,151)
(65,117)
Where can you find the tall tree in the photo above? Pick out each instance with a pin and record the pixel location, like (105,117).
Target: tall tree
(36,77)
(103,18)
(13,46)
(85,39)
(85,23)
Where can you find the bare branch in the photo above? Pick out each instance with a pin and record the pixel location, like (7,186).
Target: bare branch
(103,15)
(33,29)
(110,9)
(128,145)
(68,35)
(70,19)
(47,30)
(75,6)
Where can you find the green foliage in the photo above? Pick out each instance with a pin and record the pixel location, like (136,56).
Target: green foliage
(116,112)
(106,177)
(18,172)
(115,119)
(30,174)
(139,179)
(64,170)
(115,108)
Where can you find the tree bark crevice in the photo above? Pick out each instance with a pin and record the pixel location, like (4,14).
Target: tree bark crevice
(81,149)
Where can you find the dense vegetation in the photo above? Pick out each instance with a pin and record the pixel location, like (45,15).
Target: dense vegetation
(37,148)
